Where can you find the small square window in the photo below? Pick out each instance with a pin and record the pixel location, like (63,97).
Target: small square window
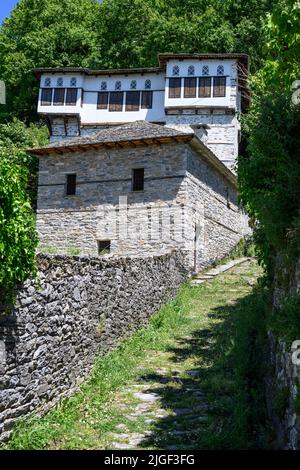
(138,179)
(71,185)
(104,247)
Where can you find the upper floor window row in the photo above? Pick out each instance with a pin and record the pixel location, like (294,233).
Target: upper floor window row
(59,96)
(133,85)
(204,85)
(134,100)
(60,82)
(191,70)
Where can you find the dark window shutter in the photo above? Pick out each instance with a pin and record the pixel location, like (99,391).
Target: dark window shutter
(71,185)
(219,87)
(132,101)
(102,101)
(104,247)
(190,87)
(138,179)
(59,96)
(116,101)
(46,98)
(147,99)
(71,97)
(204,87)
(174,87)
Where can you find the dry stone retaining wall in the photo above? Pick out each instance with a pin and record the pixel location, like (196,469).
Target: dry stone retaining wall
(79,307)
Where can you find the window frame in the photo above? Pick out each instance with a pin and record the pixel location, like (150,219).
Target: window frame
(71,184)
(200,87)
(106,247)
(59,103)
(186,88)
(120,104)
(144,104)
(104,104)
(138,180)
(215,86)
(43,101)
(70,91)
(133,106)
(175,95)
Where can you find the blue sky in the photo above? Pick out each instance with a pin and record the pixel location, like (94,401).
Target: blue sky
(6,6)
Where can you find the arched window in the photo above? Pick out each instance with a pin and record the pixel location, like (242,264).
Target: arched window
(47,81)
(133,85)
(103,86)
(175,71)
(118,85)
(148,84)
(205,70)
(220,70)
(191,71)
(60,81)
(73,81)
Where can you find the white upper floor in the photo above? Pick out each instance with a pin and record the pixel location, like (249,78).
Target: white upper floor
(182,83)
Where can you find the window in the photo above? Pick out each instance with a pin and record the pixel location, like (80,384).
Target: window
(46,97)
(205,70)
(191,71)
(118,85)
(104,247)
(60,81)
(132,101)
(204,87)
(73,81)
(175,71)
(220,70)
(48,81)
(219,87)
(148,84)
(133,85)
(147,99)
(102,101)
(71,185)
(190,87)
(103,86)
(71,97)
(174,87)
(138,179)
(116,101)
(59,96)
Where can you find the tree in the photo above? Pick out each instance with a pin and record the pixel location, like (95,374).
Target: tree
(18,238)
(269,173)
(44,33)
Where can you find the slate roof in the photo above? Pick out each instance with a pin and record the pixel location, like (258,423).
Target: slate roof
(136,133)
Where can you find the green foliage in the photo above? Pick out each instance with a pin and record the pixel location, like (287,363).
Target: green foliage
(285,321)
(269,172)
(17,225)
(117,33)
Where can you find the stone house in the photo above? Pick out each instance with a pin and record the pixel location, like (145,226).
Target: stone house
(145,164)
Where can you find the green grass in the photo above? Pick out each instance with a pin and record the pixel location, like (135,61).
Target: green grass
(215,330)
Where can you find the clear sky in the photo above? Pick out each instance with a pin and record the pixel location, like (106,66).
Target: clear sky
(6,6)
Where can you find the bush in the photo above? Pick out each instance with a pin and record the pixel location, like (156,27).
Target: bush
(18,237)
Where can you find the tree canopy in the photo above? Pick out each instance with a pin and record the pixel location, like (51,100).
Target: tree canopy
(118,33)
(269,173)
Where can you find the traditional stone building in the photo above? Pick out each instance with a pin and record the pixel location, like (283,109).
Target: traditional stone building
(206,91)
(140,160)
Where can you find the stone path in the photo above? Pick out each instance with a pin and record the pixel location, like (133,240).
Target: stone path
(209,275)
(168,407)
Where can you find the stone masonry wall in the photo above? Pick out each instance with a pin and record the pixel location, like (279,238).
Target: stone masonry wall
(78,308)
(283,377)
(182,193)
